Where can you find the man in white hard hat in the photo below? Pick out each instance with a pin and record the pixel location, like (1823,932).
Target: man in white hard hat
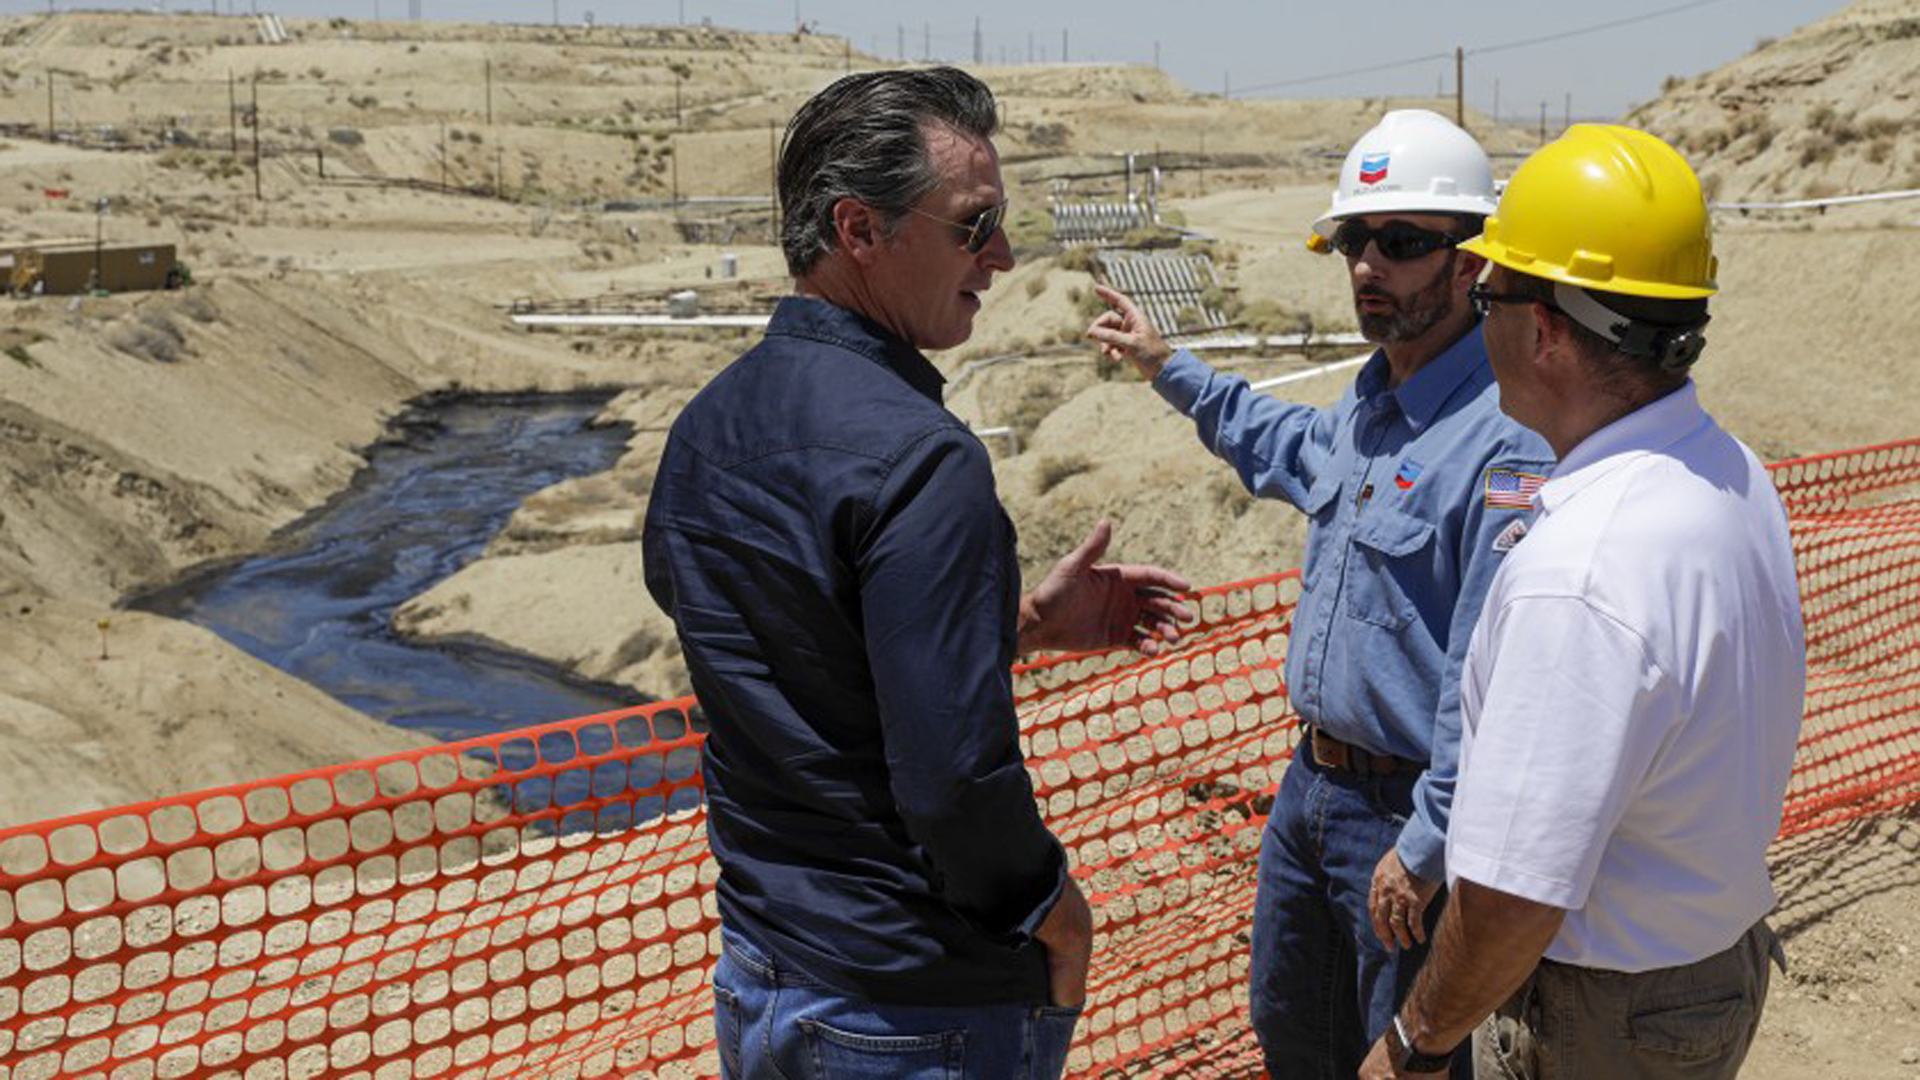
(1416,485)
(1631,698)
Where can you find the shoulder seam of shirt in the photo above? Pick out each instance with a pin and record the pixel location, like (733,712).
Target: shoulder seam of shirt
(890,456)
(1605,612)
(907,446)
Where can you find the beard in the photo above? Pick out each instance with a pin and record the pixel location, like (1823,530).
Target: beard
(1412,315)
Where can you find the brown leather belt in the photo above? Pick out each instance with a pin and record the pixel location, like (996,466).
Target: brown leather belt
(1333,754)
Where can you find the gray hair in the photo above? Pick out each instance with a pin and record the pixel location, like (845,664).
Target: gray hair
(864,138)
(1622,372)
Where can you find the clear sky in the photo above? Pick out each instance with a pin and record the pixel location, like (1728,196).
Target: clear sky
(1211,44)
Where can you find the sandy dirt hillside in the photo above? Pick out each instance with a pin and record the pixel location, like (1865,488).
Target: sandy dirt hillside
(416,180)
(1827,110)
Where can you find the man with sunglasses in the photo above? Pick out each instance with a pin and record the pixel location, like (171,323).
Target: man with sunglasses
(843,581)
(1632,693)
(1414,486)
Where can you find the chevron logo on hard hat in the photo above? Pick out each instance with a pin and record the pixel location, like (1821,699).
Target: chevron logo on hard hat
(1373,168)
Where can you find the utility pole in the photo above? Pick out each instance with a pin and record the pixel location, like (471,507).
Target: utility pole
(256,135)
(673,152)
(1459,86)
(900,41)
(99,242)
(976,39)
(1227,77)
(489,91)
(49,96)
(443,153)
(1063,44)
(233,118)
(1567,117)
(1156,56)
(1496,102)
(846,58)
(1543,121)
(1029,46)
(679,80)
(773,179)
(926,41)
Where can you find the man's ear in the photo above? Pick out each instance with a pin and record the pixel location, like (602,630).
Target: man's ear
(1467,268)
(856,228)
(1552,333)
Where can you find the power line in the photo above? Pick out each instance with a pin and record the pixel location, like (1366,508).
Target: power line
(1409,62)
(1595,28)
(1477,51)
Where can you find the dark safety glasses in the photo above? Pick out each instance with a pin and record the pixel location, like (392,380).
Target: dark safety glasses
(1483,299)
(1398,240)
(977,231)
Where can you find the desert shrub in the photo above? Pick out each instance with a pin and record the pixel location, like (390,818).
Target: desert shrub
(1710,140)
(151,337)
(1029,228)
(1816,149)
(1036,286)
(345,136)
(1049,136)
(1229,495)
(1882,127)
(1078,259)
(198,309)
(1879,151)
(1710,184)
(1054,471)
(1834,124)
(1271,317)
(1150,236)
(363,101)
(19,353)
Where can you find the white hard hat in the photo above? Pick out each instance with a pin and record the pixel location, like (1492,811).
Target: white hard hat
(1413,161)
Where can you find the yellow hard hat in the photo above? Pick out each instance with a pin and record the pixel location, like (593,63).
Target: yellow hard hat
(1605,208)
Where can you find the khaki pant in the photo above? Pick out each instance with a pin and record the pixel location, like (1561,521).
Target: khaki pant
(1693,1022)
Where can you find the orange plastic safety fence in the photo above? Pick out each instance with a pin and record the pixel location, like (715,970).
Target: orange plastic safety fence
(539,904)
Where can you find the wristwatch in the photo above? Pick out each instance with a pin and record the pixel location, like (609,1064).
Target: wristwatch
(1406,1058)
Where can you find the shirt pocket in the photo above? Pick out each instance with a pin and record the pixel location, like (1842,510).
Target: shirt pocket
(1319,508)
(1386,568)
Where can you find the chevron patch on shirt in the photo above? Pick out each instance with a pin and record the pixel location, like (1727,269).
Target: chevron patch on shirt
(1514,532)
(1409,472)
(1510,489)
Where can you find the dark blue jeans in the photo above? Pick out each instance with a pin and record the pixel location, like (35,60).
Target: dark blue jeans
(1323,986)
(774,1023)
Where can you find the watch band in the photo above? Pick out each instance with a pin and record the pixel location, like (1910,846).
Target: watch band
(1407,1058)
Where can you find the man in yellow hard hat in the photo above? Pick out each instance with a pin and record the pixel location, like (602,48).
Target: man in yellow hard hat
(1632,693)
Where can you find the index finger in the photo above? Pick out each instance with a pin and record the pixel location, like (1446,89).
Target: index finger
(1115,299)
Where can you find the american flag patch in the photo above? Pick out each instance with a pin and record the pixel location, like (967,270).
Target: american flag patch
(1511,490)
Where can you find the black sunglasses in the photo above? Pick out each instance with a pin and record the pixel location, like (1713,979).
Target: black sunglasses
(1398,240)
(976,231)
(1483,298)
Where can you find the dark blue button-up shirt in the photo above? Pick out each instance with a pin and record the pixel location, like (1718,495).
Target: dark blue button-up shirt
(826,537)
(1412,492)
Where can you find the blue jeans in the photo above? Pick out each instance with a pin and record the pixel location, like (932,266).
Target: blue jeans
(1323,986)
(774,1023)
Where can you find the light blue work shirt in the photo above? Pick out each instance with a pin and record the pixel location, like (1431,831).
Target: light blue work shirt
(1410,490)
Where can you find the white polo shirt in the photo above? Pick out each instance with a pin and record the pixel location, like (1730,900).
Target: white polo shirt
(1632,696)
